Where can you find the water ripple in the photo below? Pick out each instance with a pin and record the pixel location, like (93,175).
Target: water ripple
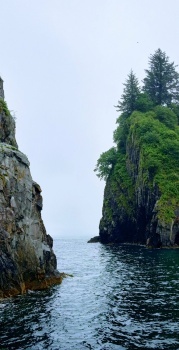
(121,297)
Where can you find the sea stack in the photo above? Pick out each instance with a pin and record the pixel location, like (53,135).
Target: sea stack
(27,260)
(141,195)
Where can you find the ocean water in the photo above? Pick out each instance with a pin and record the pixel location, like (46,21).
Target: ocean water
(120,297)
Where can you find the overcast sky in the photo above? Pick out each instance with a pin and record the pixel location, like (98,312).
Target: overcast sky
(63,63)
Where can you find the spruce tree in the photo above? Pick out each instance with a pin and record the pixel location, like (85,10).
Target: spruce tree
(162,80)
(131,92)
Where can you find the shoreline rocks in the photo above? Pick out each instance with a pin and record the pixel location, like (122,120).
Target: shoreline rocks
(95,239)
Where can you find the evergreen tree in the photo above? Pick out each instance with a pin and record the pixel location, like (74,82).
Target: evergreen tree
(131,92)
(162,80)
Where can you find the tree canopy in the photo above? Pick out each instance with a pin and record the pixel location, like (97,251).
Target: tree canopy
(162,80)
(131,92)
(105,163)
(157,102)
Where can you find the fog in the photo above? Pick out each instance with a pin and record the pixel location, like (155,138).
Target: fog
(63,64)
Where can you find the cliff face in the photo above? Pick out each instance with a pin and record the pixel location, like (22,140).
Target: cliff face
(141,197)
(27,260)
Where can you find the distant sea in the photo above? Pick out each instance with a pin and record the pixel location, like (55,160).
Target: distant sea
(120,297)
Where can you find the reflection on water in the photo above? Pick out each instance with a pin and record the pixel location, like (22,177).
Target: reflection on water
(121,297)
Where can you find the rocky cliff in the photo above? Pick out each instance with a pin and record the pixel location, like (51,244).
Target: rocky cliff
(141,197)
(27,260)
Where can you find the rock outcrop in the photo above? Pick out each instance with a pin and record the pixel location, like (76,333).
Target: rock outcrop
(141,197)
(95,239)
(27,260)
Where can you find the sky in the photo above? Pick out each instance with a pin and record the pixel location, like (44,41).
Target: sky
(64,63)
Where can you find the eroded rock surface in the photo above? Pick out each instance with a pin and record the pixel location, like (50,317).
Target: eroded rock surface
(27,260)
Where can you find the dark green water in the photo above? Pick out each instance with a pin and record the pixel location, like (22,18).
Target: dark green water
(121,297)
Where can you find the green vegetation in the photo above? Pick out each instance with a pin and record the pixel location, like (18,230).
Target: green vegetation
(3,107)
(166,116)
(131,93)
(158,146)
(105,163)
(146,151)
(162,80)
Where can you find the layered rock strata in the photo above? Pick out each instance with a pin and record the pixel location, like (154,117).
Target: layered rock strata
(27,260)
